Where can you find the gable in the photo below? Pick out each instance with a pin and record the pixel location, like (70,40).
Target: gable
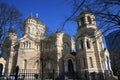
(27,38)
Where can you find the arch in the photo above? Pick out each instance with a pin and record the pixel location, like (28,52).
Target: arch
(66,48)
(81,44)
(38,47)
(82,19)
(91,62)
(70,67)
(28,29)
(29,44)
(89,20)
(83,62)
(23,44)
(25,64)
(88,44)
(49,65)
(37,64)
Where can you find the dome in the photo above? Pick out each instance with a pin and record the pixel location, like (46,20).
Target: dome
(39,21)
(36,19)
(86,12)
(11,30)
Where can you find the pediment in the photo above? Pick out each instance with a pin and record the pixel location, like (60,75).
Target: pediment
(26,38)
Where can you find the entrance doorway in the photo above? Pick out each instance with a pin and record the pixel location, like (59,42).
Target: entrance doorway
(70,69)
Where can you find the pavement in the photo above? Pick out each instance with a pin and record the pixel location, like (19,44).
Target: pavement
(113,78)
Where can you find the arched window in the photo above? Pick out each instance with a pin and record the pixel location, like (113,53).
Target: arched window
(82,21)
(25,64)
(37,64)
(23,45)
(38,47)
(89,20)
(91,62)
(48,65)
(83,63)
(29,45)
(88,44)
(66,49)
(28,29)
(81,41)
(81,44)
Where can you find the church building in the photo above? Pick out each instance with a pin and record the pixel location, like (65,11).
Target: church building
(35,53)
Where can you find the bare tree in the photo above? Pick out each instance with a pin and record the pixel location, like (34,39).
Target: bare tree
(9,16)
(107,12)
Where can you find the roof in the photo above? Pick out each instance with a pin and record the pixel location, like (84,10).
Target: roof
(39,21)
(12,30)
(36,19)
(86,12)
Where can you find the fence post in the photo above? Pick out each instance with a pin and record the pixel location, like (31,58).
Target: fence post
(16,72)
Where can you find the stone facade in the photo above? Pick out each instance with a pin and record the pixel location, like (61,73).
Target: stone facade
(36,53)
(90,52)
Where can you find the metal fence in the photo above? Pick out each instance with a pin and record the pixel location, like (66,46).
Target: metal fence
(52,76)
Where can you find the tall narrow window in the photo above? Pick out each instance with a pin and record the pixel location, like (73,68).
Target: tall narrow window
(82,21)
(66,49)
(25,64)
(28,29)
(100,45)
(38,47)
(89,20)
(83,63)
(81,44)
(37,64)
(88,44)
(23,45)
(91,62)
(29,45)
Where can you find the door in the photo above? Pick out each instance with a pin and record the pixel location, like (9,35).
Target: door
(70,69)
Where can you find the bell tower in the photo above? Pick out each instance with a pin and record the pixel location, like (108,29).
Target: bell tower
(34,27)
(86,19)
(87,47)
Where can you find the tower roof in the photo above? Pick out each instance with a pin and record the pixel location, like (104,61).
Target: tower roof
(12,30)
(36,19)
(39,21)
(86,12)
